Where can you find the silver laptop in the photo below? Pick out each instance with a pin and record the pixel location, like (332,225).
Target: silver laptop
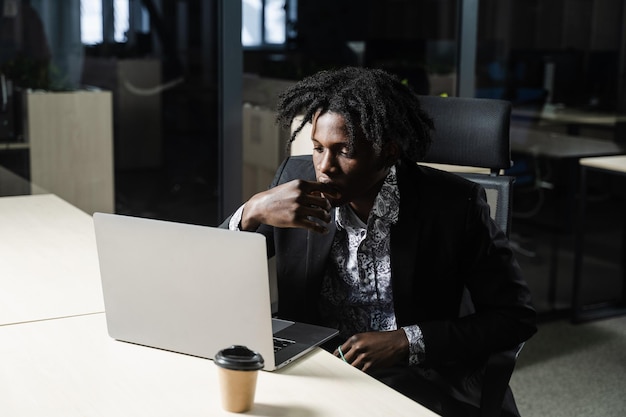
(194,290)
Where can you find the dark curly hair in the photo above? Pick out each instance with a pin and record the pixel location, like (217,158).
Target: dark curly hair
(371,101)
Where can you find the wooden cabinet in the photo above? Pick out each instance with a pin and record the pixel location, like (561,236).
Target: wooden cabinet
(71,146)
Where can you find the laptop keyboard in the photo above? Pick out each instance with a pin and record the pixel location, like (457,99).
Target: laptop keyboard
(281,343)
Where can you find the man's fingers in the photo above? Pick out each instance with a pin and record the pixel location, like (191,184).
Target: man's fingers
(317,201)
(354,358)
(320,188)
(310,210)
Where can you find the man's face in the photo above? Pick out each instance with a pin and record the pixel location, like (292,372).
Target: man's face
(355,172)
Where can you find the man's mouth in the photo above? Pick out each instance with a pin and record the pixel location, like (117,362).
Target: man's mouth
(335,191)
(333,199)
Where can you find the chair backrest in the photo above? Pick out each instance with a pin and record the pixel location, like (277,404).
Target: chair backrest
(470,132)
(475,132)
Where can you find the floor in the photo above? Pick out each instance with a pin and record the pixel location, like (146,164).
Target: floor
(569,370)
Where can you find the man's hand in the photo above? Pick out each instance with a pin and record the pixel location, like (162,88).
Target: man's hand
(294,204)
(374,350)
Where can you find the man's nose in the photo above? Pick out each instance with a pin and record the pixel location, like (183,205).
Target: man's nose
(325,162)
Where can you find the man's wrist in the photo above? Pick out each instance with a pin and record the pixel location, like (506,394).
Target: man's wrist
(417,348)
(235,219)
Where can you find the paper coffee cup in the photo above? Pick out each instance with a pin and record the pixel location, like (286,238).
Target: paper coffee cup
(238,368)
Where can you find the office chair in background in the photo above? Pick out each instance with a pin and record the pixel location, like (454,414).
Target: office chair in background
(472,135)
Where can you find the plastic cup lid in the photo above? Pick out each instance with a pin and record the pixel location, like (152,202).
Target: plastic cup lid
(239,358)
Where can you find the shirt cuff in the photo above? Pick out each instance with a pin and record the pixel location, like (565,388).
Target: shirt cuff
(417,349)
(235,219)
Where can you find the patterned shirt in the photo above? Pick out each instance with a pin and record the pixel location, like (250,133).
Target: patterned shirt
(356,292)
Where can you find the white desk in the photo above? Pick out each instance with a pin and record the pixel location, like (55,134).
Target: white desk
(457,168)
(57,360)
(560,146)
(567,115)
(614,165)
(48,260)
(573,119)
(71,368)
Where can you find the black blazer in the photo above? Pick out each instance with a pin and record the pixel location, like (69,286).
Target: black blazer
(444,240)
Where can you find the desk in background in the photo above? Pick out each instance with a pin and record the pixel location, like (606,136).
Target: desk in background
(559,146)
(572,119)
(614,165)
(563,152)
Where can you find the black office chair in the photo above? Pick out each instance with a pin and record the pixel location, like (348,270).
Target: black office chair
(474,133)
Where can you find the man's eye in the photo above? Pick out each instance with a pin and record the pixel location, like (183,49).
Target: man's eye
(317,149)
(345,152)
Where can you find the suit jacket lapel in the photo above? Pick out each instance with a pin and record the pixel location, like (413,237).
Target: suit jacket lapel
(404,241)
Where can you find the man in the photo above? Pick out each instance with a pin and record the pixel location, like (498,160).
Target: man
(371,243)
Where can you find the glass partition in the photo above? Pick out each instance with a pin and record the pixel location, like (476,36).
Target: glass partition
(416,40)
(559,64)
(156,61)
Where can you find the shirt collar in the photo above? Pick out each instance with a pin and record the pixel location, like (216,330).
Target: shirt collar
(386,205)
